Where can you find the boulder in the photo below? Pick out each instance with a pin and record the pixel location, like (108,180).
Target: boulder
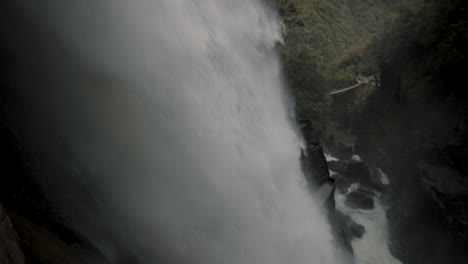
(354,230)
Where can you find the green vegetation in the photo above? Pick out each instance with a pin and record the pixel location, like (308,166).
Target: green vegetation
(327,41)
(431,35)
(323,39)
(423,59)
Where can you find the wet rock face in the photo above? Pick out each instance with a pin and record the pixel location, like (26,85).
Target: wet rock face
(316,170)
(313,160)
(10,252)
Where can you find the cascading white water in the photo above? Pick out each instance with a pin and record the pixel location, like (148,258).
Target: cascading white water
(170,115)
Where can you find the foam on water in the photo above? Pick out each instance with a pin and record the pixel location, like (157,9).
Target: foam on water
(372,247)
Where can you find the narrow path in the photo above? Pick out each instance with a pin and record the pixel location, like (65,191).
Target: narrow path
(346,89)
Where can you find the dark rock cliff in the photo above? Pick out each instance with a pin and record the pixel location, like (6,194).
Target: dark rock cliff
(415,128)
(413,124)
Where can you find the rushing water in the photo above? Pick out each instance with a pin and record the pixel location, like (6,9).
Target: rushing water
(373,247)
(163,130)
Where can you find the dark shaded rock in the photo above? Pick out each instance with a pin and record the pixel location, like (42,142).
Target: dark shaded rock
(318,162)
(337,148)
(360,199)
(309,131)
(42,235)
(10,251)
(443,179)
(339,166)
(313,161)
(342,182)
(42,245)
(326,195)
(360,172)
(356,230)
(449,190)
(356,171)
(345,230)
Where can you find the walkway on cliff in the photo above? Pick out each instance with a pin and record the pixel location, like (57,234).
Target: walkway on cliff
(346,89)
(367,78)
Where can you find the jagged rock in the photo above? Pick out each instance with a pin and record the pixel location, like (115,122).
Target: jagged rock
(361,198)
(10,251)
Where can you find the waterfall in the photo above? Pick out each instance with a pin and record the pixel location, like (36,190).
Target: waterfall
(160,130)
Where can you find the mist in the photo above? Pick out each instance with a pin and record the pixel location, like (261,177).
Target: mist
(161,131)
